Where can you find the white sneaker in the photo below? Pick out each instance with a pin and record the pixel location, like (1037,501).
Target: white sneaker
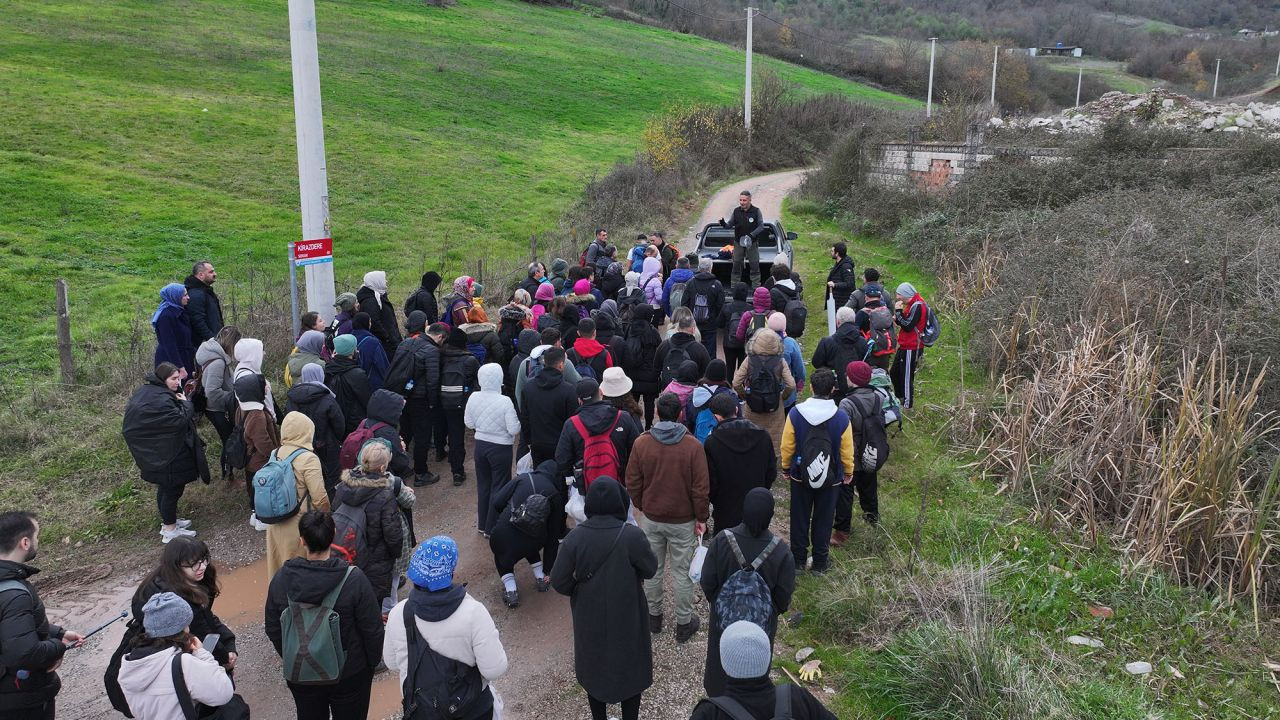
(183,523)
(257,524)
(167,535)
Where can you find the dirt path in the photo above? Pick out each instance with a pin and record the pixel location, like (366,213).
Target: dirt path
(538,636)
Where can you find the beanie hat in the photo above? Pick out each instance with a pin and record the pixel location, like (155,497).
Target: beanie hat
(744,651)
(433,563)
(587,389)
(687,373)
(873,290)
(582,287)
(858,372)
(906,290)
(416,322)
(345,301)
(544,292)
(165,615)
(717,371)
(559,265)
(777,322)
(457,338)
(344,344)
(477,289)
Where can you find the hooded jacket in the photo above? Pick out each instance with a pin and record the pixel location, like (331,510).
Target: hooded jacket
(372,357)
(795,363)
(845,281)
(912,320)
(358,608)
(783,292)
(764,343)
(146,678)
(740,457)
(490,413)
(454,624)
(694,350)
(308,477)
(215,376)
(601,567)
(642,342)
(259,429)
(589,351)
(818,415)
(417,359)
(548,402)
(705,283)
(350,388)
(697,416)
(27,641)
(382,314)
(386,407)
(677,276)
(203,621)
(838,350)
(761,304)
(559,274)
(667,475)
(161,434)
(543,480)
(306,351)
(204,309)
(424,298)
(598,417)
(525,343)
(383,533)
(651,282)
(319,403)
(758,696)
(570,375)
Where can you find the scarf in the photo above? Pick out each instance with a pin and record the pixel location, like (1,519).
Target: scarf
(376,280)
(170,296)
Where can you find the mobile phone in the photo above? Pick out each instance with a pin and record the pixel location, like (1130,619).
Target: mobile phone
(211,641)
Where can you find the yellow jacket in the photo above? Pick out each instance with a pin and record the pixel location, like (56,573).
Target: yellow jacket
(817,411)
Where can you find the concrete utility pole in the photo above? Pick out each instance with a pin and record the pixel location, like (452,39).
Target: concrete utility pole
(1217,66)
(315,251)
(928,103)
(746,105)
(1079,83)
(1278,65)
(995,65)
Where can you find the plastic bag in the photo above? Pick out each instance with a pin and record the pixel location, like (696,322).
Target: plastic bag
(577,505)
(699,557)
(524,464)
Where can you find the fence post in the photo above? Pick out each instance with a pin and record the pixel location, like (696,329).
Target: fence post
(533,248)
(64,335)
(480,271)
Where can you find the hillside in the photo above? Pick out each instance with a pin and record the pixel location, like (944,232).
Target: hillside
(137,136)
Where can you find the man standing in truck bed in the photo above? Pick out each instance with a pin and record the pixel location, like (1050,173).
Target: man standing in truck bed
(748,226)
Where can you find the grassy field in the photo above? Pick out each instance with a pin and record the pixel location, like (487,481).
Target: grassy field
(892,630)
(137,136)
(1110,71)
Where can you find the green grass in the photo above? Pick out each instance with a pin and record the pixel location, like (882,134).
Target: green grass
(137,136)
(1110,71)
(1050,578)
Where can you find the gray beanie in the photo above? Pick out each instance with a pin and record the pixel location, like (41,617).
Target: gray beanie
(744,651)
(165,614)
(906,290)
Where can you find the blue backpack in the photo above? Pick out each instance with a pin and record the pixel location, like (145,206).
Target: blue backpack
(745,595)
(275,491)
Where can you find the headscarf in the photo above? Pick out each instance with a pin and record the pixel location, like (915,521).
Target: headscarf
(249,355)
(545,292)
(633,280)
(462,286)
(376,280)
(313,374)
(610,308)
(170,296)
(757,511)
(312,341)
(652,266)
(906,290)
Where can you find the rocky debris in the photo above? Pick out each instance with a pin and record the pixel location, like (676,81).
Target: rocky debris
(1155,108)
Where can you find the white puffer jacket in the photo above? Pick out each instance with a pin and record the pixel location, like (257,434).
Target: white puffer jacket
(148,683)
(490,413)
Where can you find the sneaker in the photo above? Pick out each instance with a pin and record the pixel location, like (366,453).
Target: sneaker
(257,524)
(655,624)
(425,479)
(542,585)
(819,569)
(167,535)
(459,478)
(686,631)
(511,598)
(871,518)
(183,523)
(838,537)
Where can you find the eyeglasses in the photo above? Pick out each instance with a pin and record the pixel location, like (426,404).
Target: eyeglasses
(201,563)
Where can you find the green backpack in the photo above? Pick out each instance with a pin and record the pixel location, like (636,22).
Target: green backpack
(311,639)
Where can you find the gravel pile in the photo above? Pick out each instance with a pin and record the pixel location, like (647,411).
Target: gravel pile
(1156,108)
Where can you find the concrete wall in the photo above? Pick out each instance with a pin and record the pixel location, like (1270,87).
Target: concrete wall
(937,165)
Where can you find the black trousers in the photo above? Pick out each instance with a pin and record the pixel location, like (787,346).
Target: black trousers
(347,700)
(733,356)
(416,425)
(510,546)
(36,712)
(457,430)
(493,470)
(630,708)
(903,375)
(167,497)
(709,340)
(650,401)
(812,513)
(223,424)
(331,468)
(866,485)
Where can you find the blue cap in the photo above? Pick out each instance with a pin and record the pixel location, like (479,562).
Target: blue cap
(433,563)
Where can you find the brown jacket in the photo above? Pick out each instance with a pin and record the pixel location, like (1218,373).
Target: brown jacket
(260,438)
(667,475)
(764,342)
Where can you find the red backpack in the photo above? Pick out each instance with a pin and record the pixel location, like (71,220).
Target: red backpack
(599,455)
(349,456)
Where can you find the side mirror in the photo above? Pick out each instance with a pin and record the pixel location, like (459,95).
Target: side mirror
(792,236)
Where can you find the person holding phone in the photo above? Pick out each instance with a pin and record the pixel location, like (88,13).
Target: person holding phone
(186,570)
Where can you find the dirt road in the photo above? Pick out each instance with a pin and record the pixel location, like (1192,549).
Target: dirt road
(767,193)
(538,636)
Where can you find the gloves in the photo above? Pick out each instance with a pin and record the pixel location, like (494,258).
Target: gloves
(745,241)
(811,670)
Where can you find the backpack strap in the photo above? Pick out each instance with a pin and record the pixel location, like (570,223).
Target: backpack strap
(782,702)
(737,551)
(180,688)
(6,585)
(607,554)
(764,554)
(580,427)
(332,598)
(731,707)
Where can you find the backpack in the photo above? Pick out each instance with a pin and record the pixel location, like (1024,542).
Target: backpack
(731,337)
(349,456)
(701,308)
(111,678)
(275,491)
(311,639)
(745,595)
(734,709)
(676,356)
(534,366)
(350,535)
(530,516)
(627,301)
(453,382)
(509,333)
(816,458)
(932,328)
(193,387)
(844,354)
(582,259)
(234,448)
(764,389)
(872,449)
(880,337)
(675,298)
(796,314)
(585,367)
(599,454)
(890,406)
(442,688)
(400,370)
(759,321)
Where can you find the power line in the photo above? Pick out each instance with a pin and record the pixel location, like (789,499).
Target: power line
(708,17)
(810,35)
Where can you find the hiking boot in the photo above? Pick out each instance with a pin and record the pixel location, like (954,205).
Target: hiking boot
(511,598)
(425,479)
(542,585)
(838,537)
(820,568)
(688,630)
(871,518)
(655,624)
(459,478)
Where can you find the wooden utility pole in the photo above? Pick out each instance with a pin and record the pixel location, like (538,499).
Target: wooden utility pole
(64,335)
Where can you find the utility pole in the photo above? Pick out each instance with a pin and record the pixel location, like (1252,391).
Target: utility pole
(995,65)
(1216,68)
(1278,65)
(746,105)
(928,103)
(1079,83)
(315,251)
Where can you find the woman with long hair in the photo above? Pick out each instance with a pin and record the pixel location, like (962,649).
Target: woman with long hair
(186,570)
(215,358)
(160,430)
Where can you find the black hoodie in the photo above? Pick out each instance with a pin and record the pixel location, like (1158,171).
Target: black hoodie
(350,386)
(598,417)
(707,284)
(382,318)
(548,401)
(318,403)
(837,351)
(387,407)
(424,298)
(740,457)
(359,613)
(693,349)
(643,341)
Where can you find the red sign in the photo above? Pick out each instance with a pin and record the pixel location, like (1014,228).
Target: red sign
(309,252)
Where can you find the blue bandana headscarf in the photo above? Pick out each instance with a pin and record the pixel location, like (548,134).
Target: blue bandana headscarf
(170,296)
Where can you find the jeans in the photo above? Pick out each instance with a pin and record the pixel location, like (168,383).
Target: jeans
(493,470)
(903,375)
(630,708)
(812,513)
(457,440)
(167,497)
(752,255)
(347,700)
(865,483)
(680,540)
(416,424)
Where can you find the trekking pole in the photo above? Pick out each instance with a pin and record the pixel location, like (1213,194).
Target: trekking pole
(123,614)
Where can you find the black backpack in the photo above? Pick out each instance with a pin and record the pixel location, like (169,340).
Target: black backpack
(796,314)
(764,389)
(453,382)
(530,516)
(759,321)
(509,333)
(439,688)
(627,301)
(872,449)
(236,451)
(731,337)
(844,355)
(734,709)
(676,355)
(817,456)
(400,369)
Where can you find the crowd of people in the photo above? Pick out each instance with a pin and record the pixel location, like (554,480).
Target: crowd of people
(618,407)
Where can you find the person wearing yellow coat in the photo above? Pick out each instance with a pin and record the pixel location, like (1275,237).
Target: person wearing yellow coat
(282,537)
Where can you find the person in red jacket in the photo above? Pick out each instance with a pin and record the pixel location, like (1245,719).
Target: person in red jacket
(911,316)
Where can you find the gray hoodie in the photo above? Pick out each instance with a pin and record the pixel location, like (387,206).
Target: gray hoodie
(668,432)
(215,375)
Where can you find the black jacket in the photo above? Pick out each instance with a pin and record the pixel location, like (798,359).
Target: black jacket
(705,282)
(696,351)
(319,404)
(846,282)
(384,534)
(758,697)
(613,655)
(387,407)
(460,363)
(726,320)
(27,642)
(417,358)
(518,488)
(598,416)
(160,431)
(780,295)
(382,318)
(548,401)
(203,621)
(643,341)
(749,222)
(204,309)
(528,340)
(837,351)
(424,300)
(740,456)
(350,386)
(359,612)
